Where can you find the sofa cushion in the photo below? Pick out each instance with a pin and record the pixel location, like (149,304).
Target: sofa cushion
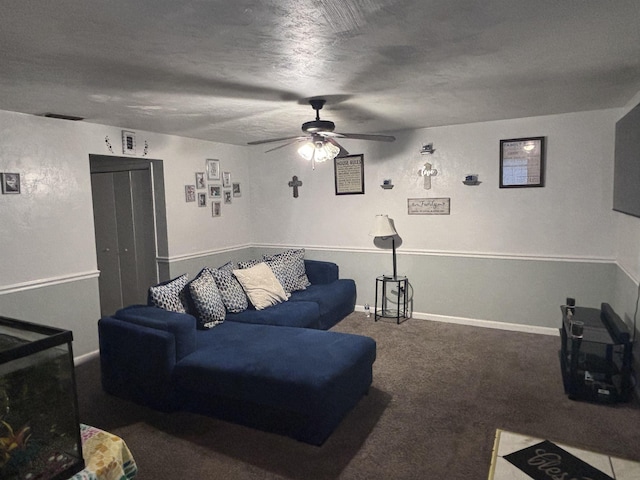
(336,300)
(181,325)
(233,296)
(291,264)
(206,299)
(261,286)
(288,314)
(170,295)
(256,362)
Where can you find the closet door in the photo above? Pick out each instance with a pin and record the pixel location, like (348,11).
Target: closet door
(105,224)
(125,238)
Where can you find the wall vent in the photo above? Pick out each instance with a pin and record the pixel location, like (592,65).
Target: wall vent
(62,117)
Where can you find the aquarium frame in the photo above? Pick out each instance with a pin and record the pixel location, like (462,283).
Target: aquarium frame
(55,337)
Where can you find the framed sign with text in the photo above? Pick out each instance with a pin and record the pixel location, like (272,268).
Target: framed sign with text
(522,162)
(349,172)
(429,206)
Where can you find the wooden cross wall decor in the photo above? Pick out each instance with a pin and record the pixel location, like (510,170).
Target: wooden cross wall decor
(295,183)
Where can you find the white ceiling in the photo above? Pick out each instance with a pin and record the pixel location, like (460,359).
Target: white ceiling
(242,70)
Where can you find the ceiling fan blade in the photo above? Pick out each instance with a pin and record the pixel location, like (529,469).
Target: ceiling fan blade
(298,139)
(364,136)
(271,140)
(343,151)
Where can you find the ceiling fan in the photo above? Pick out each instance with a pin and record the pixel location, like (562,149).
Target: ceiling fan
(320,139)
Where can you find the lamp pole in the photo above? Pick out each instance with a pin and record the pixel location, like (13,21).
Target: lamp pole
(393,244)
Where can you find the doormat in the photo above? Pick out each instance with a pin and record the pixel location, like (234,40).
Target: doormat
(546,460)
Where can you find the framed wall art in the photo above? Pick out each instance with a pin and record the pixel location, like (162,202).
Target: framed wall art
(200,183)
(128,142)
(189,193)
(349,174)
(10,183)
(429,206)
(236,190)
(215,209)
(226,179)
(522,162)
(213,169)
(215,191)
(202,199)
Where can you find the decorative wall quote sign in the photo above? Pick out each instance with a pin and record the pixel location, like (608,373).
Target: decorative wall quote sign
(349,173)
(522,162)
(429,206)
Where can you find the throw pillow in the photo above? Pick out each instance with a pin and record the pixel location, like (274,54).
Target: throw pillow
(294,260)
(170,295)
(285,273)
(248,263)
(207,301)
(261,285)
(233,296)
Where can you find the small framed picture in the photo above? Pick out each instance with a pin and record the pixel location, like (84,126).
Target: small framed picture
(213,169)
(215,209)
(226,179)
(10,183)
(215,191)
(227,196)
(202,199)
(236,190)
(189,193)
(128,142)
(200,184)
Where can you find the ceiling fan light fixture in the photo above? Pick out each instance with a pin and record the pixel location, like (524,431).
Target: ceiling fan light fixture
(318,151)
(306,150)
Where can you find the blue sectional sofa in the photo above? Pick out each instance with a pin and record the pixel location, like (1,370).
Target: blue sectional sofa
(275,369)
(321,305)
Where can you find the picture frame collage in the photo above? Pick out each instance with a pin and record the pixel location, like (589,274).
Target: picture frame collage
(217,186)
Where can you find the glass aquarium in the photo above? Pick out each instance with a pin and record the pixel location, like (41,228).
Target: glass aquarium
(39,424)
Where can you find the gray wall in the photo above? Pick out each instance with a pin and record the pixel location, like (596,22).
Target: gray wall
(505,257)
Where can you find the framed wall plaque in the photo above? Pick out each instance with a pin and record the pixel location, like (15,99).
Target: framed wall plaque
(213,169)
(349,173)
(522,162)
(10,183)
(429,206)
(128,142)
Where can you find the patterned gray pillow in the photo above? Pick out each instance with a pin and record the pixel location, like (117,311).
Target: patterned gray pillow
(170,295)
(248,264)
(284,272)
(233,296)
(292,262)
(210,310)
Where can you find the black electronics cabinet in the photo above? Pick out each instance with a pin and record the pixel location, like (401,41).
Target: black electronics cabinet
(595,354)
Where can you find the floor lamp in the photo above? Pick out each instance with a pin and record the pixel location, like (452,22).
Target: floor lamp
(383,228)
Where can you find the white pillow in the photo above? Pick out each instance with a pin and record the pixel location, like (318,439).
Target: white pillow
(261,286)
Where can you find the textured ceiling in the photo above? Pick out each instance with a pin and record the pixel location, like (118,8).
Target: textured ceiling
(242,70)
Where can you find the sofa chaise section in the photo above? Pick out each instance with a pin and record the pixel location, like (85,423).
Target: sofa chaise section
(292,381)
(298,382)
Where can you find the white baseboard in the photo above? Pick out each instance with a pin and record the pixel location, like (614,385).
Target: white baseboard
(86,357)
(474,322)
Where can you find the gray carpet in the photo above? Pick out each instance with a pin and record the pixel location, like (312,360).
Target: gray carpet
(439,393)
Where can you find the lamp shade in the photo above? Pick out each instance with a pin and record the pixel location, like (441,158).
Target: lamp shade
(382,227)
(318,151)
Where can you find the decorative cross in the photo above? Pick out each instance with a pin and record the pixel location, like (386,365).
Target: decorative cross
(427,172)
(295,183)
